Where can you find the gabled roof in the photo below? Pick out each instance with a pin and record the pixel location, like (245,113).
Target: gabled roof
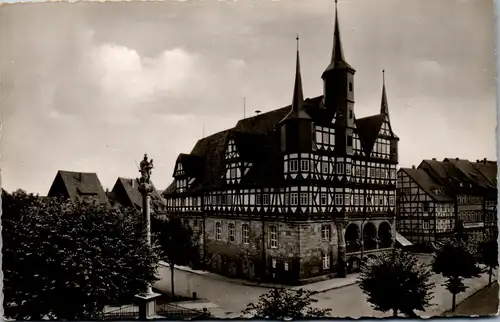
(191,164)
(126,193)
(488,169)
(424,181)
(78,186)
(470,172)
(368,129)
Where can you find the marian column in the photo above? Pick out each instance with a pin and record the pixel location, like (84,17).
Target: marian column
(147,302)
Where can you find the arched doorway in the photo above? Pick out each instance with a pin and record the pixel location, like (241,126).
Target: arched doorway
(352,239)
(385,235)
(369,236)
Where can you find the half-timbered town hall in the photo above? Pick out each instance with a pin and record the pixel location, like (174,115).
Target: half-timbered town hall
(296,193)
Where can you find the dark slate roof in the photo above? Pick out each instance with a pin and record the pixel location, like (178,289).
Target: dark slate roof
(470,172)
(424,181)
(191,164)
(126,193)
(488,169)
(78,185)
(257,140)
(368,129)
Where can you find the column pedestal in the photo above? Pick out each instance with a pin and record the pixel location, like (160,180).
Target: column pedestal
(147,305)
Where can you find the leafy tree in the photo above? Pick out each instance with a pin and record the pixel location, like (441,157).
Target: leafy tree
(488,255)
(455,259)
(66,260)
(280,304)
(396,281)
(177,243)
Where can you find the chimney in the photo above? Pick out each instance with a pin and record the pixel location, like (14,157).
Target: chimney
(433,159)
(477,161)
(413,167)
(485,160)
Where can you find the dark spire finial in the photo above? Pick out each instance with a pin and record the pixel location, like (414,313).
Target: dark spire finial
(297,42)
(384,107)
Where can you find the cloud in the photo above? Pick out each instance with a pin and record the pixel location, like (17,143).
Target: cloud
(127,79)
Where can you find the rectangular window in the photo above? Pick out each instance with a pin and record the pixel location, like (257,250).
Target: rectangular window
(304,165)
(319,137)
(340,168)
(266,199)
(425,207)
(347,199)
(245,230)
(324,166)
(294,165)
(350,114)
(273,262)
(325,138)
(231,232)
(286,266)
(348,168)
(391,200)
(304,198)
(326,261)
(258,199)
(350,86)
(426,224)
(338,199)
(323,199)
(325,233)
(349,140)
(273,235)
(218,231)
(294,198)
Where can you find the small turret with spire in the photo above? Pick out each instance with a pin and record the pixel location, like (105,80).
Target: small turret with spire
(296,126)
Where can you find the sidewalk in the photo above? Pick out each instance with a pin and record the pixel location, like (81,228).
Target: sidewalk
(328,285)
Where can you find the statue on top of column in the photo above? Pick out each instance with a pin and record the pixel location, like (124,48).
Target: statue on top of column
(145,169)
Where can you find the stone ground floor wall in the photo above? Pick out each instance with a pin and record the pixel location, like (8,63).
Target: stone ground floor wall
(274,251)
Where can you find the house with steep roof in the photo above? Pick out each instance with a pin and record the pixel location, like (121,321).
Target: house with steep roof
(297,193)
(126,193)
(79,187)
(425,210)
(470,186)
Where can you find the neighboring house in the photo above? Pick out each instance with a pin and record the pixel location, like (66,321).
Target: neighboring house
(295,193)
(426,212)
(78,186)
(126,193)
(471,187)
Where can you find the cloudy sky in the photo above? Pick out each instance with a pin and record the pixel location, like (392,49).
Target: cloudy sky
(92,86)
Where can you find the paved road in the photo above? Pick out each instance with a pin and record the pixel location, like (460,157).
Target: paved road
(484,302)
(347,301)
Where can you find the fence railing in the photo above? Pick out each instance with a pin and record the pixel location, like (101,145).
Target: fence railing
(165,310)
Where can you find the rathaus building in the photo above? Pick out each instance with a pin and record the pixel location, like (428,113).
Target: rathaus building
(295,194)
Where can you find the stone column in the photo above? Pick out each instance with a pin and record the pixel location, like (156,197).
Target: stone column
(146,299)
(341,226)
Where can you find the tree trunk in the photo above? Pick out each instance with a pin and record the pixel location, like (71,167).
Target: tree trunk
(490,274)
(453,302)
(172,278)
(394,312)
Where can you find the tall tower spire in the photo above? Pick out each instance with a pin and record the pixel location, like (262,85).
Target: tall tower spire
(298,95)
(384,107)
(337,60)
